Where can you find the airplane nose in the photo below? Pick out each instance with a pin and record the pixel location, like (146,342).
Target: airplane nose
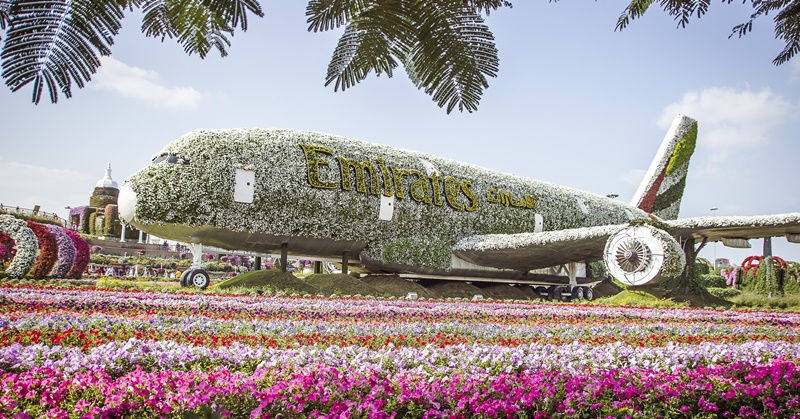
(126,203)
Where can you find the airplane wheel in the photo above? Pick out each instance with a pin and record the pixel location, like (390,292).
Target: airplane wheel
(185,277)
(552,293)
(588,293)
(560,293)
(577,293)
(199,278)
(541,292)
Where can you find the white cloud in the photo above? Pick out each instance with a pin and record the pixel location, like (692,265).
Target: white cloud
(52,189)
(141,84)
(731,120)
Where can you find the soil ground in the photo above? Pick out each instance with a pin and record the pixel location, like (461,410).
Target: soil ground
(341,284)
(452,289)
(498,291)
(394,286)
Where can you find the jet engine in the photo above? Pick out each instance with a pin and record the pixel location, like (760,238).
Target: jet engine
(642,254)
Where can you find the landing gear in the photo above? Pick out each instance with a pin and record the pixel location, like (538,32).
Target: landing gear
(577,293)
(199,278)
(185,278)
(556,293)
(588,294)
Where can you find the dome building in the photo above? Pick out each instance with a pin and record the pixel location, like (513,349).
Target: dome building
(101,216)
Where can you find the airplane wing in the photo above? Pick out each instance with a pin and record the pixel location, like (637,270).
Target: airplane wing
(526,251)
(737,227)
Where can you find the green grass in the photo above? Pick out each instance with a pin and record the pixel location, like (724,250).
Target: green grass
(639,298)
(763,302)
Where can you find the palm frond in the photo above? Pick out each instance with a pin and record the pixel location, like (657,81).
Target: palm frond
(358,53)
(324,15)
(5,7)
(444,45)
(787,27)
(156,22)
(54,43)
(234,12)
(199,25)
(681,10)
(453,55)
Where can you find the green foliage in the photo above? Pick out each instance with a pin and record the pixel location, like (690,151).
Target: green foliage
(701,269)
(638,299)
(444,46)
(683,150)
(92,230)
(271,281)
(758,301)
(711,281)
(56,43)
(111,225)
(726,293)
(85,220)
(597,269)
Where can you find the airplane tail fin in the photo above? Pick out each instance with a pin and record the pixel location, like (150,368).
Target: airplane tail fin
(661,191)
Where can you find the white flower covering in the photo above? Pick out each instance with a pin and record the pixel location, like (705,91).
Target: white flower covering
(674,257)
(737,221)
(516,241)
(27,245)
(285,204)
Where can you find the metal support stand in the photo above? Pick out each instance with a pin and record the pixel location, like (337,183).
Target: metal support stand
(284,256)
(197,254)
(572,271)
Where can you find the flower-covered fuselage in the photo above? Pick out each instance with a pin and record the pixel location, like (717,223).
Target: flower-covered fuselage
(324,194)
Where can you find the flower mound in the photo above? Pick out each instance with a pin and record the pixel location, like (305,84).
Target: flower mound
(66,252)
(48,250)
(81,254)
(27,246)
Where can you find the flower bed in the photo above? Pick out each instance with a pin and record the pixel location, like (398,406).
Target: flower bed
(99,353)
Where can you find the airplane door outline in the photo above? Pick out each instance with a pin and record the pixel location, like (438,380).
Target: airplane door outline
(387,208)
(244,186)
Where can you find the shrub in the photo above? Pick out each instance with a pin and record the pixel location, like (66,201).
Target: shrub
(725,293)
(711,281)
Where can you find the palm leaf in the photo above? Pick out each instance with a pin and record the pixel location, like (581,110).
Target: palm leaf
(199,25)
(453,56)
(53,43)
(5,7)
(444,45)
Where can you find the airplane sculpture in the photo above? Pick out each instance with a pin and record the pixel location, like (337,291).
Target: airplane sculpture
(397,211)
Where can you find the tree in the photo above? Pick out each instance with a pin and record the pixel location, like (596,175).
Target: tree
(54,43)
(444,45)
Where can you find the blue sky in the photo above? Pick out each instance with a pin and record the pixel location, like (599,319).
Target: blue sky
(574,103)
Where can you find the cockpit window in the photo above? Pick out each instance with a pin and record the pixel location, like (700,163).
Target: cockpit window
(171,158)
